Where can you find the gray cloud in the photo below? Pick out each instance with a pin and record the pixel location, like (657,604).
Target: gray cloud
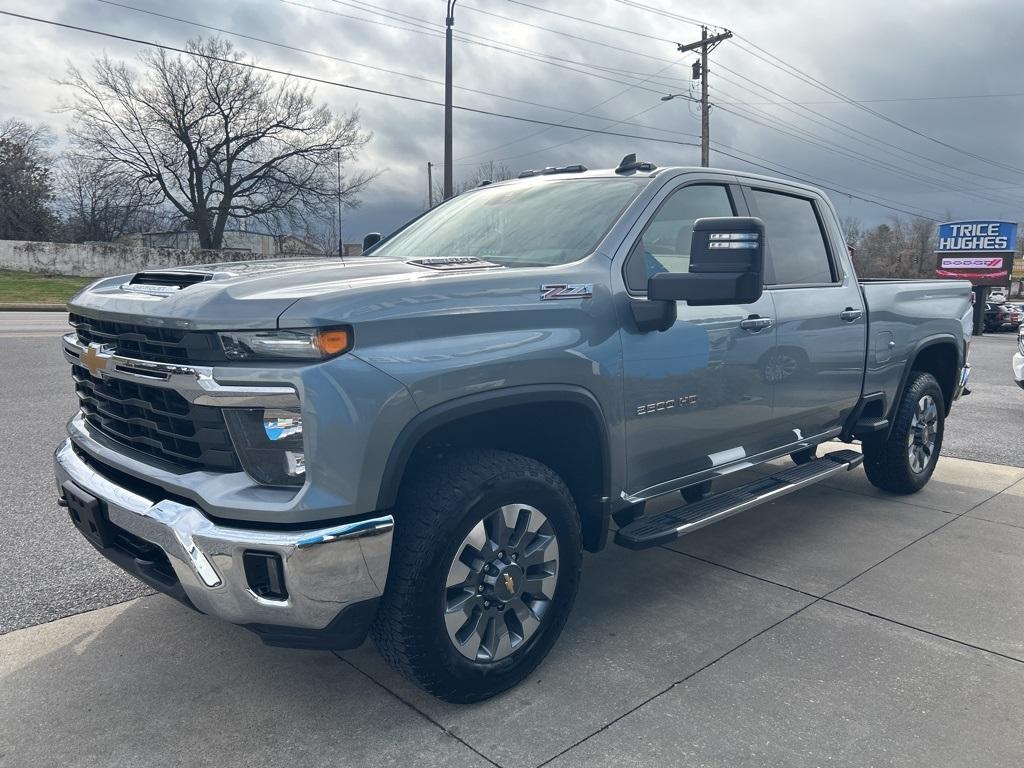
(869,50)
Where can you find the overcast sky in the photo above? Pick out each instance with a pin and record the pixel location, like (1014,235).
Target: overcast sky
(890,57)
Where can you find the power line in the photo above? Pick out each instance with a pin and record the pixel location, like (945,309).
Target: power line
(689,20)
(823,183)
(334,83)
(859,157)
(845,129)
(794,72)
(331,57)
(545,130)
(613,28)
(897,99)
(419,100)
(942,183)
(471,38)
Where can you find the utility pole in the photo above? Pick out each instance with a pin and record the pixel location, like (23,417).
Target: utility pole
(341,239)
(449,22)
(706,45)
(430,184)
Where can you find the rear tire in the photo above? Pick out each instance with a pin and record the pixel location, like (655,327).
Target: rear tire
(904,461)
(484,571)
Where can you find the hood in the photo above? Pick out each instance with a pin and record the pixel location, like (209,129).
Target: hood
(247,294)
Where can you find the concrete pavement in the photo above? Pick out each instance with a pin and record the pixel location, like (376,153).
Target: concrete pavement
(839,625)
(835,626)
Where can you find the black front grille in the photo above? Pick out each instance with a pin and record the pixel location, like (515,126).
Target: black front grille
(150,342)
(156,421)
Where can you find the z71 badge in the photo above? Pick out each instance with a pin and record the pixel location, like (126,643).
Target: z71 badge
(563,291)
(664,405)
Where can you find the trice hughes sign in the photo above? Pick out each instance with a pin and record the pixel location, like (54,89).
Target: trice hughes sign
(979,251)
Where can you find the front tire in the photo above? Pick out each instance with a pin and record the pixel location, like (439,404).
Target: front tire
(484,571)
(904,461)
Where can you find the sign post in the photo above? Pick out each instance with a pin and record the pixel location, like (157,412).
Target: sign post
(979,251)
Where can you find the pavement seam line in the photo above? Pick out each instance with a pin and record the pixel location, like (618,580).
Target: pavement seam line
(995,522)
(677,683)
(955,516)
(416,709)
(928,632)
(846,605)
(815,601)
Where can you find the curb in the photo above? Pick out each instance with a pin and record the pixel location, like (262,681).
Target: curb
(11,306)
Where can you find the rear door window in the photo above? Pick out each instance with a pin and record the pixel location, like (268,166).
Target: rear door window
(797,250)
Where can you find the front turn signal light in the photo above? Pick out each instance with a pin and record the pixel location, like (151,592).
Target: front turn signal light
(333,342)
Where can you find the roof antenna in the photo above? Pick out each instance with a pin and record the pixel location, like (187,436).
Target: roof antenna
(630,163)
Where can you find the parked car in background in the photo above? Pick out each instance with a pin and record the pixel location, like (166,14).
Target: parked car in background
(1001,317)
(1018,359)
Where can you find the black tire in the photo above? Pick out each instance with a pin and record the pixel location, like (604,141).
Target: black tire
(887,460)
(805,455)
(438,510)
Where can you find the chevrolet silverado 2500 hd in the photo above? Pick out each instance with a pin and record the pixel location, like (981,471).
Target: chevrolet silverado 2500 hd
(419,443)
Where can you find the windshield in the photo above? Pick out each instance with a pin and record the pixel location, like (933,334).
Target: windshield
(519,225)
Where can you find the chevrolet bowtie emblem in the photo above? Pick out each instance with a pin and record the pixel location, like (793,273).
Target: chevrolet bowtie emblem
(94,360)
(510,585)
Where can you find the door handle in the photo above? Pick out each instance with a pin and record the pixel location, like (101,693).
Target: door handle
(850,314)
(754,323)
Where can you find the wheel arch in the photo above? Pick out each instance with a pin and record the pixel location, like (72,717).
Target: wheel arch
(941,356)
(562,426)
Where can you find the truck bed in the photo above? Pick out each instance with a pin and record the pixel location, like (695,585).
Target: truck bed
(903,315)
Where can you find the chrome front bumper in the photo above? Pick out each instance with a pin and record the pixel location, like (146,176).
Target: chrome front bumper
(326,570)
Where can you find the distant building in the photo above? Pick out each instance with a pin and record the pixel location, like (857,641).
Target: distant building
(257,243)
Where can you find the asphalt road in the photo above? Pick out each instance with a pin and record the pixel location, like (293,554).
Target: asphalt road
(988,424)
(48,571)
(46,568)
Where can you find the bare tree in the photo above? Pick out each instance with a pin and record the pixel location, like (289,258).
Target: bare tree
(100,201)
(900,248)
(489,171)
(219,141)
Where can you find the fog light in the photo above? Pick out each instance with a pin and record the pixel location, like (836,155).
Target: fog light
(265,574)
(269,444)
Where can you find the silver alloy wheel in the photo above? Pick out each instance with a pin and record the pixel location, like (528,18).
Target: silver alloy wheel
(923,434)
(501,582)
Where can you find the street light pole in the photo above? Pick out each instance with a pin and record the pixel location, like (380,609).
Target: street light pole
(449,22)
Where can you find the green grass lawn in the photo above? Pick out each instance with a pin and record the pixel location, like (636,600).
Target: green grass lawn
(28,287)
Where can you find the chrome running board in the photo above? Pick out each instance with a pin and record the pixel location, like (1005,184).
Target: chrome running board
(668,526)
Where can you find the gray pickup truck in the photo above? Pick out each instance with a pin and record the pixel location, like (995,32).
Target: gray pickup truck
(418,444)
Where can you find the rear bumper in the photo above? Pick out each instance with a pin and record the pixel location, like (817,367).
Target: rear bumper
(332,575)
(1018,369)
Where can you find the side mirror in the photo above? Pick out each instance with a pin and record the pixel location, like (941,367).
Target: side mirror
(371,240)
(726,265)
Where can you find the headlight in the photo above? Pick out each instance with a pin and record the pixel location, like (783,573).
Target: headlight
(302,344)
(269,443)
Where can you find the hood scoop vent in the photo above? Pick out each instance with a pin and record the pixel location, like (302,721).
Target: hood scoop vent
(451,263)
(164,283)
